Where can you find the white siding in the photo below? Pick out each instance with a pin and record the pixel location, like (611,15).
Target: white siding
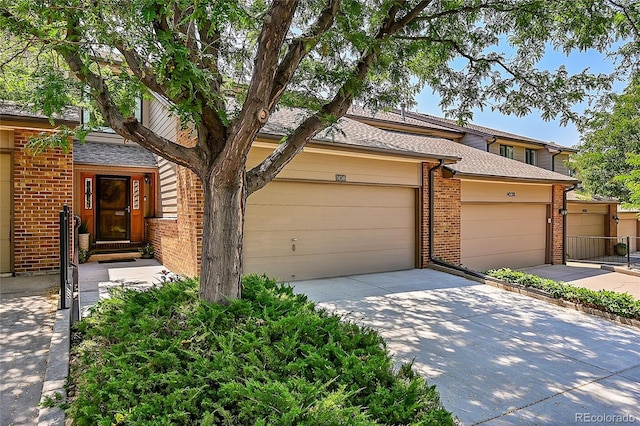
(475,141)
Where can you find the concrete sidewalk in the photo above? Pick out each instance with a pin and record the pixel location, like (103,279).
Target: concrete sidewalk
(496,357)
(590,276)
(27,311)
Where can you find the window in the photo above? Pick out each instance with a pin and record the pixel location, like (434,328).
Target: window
(506,151)
(531,156)
(86,117)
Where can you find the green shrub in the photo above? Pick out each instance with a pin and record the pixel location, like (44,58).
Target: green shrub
(164,357)
(621,304)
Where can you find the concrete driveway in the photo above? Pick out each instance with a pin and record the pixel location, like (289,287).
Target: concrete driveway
(591,276)
(496,357)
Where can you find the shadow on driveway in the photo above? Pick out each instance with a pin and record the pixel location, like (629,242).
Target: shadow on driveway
(496,357)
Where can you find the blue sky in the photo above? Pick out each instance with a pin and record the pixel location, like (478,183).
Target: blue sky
(532,125)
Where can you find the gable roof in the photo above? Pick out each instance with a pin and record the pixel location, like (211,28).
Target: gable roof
(487,132)
(113,154)
(468,161)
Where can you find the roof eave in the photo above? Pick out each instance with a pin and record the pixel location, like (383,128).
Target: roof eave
(567,182)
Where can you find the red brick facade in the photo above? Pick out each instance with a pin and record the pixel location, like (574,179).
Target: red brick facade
(557,238)
(162,233)
(42,184)
(446,214)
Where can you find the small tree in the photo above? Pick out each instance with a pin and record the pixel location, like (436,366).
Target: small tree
(322,54)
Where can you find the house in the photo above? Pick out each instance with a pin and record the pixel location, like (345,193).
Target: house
(376,194)
(366,198)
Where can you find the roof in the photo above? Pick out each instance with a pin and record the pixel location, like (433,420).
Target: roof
(587,198)
(16,111)
(471,161)
(395,117)
(484,131)
(113,154)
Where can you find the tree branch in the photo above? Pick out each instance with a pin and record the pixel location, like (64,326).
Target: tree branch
(263,173)
(299,48)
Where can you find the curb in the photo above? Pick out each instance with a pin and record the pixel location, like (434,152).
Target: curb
(57,370)
(621,270)
(540,295)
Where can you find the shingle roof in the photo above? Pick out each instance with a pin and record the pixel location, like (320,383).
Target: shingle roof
(112,154)
(486,131)
(472,161)
(394,117)
(11,109)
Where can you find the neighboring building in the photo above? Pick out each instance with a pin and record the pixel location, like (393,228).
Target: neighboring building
(33,189)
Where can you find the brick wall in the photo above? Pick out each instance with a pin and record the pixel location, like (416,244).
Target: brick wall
(42,184)
(557,234)
(162,233)
(177,241)
(447,207)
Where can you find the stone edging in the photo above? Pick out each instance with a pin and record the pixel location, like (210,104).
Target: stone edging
(540,295)
(57,369)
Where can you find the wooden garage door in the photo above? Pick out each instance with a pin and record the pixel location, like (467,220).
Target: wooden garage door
(5,213)
(299,231)
(503,235)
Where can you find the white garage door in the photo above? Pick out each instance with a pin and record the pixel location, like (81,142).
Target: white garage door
(503,235)
(299,231)
(5,213)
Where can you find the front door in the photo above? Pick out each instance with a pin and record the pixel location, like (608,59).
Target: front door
(114,222)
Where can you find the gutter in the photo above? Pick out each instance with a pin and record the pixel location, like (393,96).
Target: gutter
(564,222)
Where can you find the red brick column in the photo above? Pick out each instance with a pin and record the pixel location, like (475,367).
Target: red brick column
(162,233)
(42,184)
(557,230)
(446,217)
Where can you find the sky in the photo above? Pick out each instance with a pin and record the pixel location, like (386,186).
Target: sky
(533,125)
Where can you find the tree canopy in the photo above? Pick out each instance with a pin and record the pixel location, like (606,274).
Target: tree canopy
(610,139)
(225,65)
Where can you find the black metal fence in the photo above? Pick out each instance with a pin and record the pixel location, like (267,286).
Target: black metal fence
(613,250)
(68,258)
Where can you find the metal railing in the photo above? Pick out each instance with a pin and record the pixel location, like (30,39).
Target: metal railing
(68,258)
(614,250)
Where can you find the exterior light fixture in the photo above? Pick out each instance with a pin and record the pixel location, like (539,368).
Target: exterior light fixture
(616,219)
(563,212)
(147,178)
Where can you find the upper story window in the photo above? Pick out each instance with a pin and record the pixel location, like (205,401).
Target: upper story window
(506,151)
(531,156)
(87,116)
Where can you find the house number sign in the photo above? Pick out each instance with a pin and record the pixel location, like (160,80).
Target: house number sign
(511,194)
(341,178)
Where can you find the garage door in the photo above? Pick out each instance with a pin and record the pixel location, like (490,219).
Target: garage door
(579,227)
(585,224)
(5,213)
(503,235)
(299,231)
(628,228)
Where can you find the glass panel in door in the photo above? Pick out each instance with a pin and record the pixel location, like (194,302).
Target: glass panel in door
(113,208)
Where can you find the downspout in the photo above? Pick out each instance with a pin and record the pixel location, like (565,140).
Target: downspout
(495,138)
(431,226)
(432,206)
(564,222)
(553,161)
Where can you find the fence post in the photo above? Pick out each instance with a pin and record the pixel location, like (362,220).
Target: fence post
(628,253)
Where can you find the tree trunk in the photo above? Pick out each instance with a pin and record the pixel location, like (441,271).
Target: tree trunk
(223,228)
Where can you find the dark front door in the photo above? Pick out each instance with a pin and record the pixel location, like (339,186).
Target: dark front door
(113,208)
